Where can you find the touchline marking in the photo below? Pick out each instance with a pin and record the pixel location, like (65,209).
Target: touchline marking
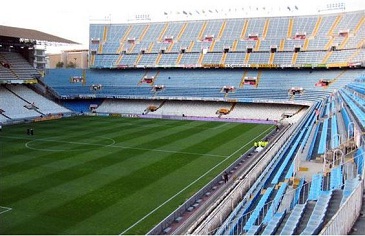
(182,190)
(6,209)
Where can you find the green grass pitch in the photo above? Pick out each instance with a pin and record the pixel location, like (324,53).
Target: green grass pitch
(110,175)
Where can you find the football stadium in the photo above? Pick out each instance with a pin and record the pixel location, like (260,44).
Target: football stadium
(245,125)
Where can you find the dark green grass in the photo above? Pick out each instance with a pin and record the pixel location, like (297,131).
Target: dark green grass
(102,175)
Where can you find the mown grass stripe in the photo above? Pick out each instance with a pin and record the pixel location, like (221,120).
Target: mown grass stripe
(61,185)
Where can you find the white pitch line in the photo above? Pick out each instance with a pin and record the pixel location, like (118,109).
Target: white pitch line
(220,126)
(6,209)
(27,145)
(189,185)
(114,145)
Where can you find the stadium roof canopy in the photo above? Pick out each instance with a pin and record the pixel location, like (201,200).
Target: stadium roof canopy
(30,34)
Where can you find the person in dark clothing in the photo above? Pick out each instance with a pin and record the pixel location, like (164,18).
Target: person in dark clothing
(225,177)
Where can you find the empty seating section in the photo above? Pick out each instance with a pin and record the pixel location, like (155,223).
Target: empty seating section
(360,101)
(277,29)
(235,58)
(254,230)
(199,46)
(271,85)
(268,43)
(322,147)
(255,27)
(106,61)
(315,187)
(128,60)
(148,59)
(348,188)
(212,58)
(96,36)
(16,67)
(144,46)
(326,109)
(233,29)
(154,32)
(304,24)
(190,59)
(348,24)
(359,159)
(43,105)
(337,56)
(360,88)
(293,220)
(274,223)
(257,58)
(14,107)
(347,120)
(115,32)
(310,121)
(312,145)
(290,171)
(298,191)
(336,178)
(290,44)
(212,29)
(6,73)
(135,34)
(258,209)
(283,58)
(199,109)
(317,217)
(123,106)
(168,59)
(192,31)
(244,44)
(233,225)
(223,43)
(354,103)
(96,31)
(275,204)
(173,30)
(327,22)
(266,111)
(312,35)
(335,139)
(80,105)
(309,56)
(288,157)
(18,102)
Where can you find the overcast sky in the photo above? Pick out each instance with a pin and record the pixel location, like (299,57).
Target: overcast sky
(70,19)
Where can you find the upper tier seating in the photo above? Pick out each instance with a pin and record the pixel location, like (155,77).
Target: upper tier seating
(329,39)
